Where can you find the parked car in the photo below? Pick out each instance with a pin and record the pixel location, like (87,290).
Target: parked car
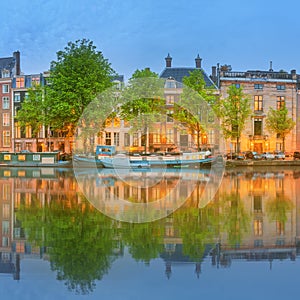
(279,155)
(238,156)
(268,155)
(257,156)
(249,154)
(296,155)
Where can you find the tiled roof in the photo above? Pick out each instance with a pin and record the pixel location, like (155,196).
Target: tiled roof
(179,73)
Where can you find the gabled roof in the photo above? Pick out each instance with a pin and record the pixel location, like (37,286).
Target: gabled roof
(179,73)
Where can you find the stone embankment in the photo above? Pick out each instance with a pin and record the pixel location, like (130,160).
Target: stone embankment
(246,163)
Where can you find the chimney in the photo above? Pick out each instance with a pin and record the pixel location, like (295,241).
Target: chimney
(168,61)
(198,62)
(16,55)
(214,71)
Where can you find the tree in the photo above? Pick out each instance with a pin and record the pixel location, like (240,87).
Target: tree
(32,112)
(193,109)
(233,112)
(278,122)
(78,75)
(143,101)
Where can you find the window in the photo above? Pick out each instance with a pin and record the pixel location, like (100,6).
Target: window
(280,87)
(5,74)
(5,88)
(280,102)
(5,102)
(169,136)
(6,138)
(279,228)
(20,82)
(126,139)
(258,103)
(170,116)
(5,227)
(258,86)
(116,138)
(258,229)
(169,99)
(170,84)
(6,119)
(135,139)
(257,203)
(17,97)
(257,126)
(108,138)
(35,80)
(156,138)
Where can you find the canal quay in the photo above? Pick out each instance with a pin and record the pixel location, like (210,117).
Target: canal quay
(59,239)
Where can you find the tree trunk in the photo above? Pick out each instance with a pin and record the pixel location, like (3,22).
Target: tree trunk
(283,143)
(238,144)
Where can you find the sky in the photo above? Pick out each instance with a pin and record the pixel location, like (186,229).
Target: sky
(134,34)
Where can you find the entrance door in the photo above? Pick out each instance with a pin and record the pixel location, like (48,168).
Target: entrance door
(258,147)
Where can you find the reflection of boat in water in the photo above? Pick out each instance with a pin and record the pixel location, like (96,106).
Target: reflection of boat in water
(107,157)
(107,176)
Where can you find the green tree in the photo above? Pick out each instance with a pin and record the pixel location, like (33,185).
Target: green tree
(32,112)
(143,102)
(193,110)
(233,112)
(280,123)
(78,75)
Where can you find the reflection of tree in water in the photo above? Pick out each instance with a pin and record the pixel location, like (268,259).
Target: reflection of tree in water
(80,240)
(278,207)
(198,228)
(235,221)
(145,240)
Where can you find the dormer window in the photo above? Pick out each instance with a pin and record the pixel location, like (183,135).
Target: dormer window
(170,83)
(5,74)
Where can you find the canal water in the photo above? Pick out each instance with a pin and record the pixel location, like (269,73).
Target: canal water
(162,234)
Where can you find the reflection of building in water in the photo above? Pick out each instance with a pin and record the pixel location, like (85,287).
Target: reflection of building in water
(9,260)
(257,215)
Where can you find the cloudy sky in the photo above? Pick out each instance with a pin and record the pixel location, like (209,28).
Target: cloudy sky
(135,34)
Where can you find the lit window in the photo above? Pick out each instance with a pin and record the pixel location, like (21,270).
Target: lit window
(135,139)
(258,103)
(5,102)
(6,138)
(169,99)
(280,102)
(6,119)
(5,88)
(20,82)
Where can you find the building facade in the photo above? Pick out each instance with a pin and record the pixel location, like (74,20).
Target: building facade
(164,136)
(265,89)
(9,67)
